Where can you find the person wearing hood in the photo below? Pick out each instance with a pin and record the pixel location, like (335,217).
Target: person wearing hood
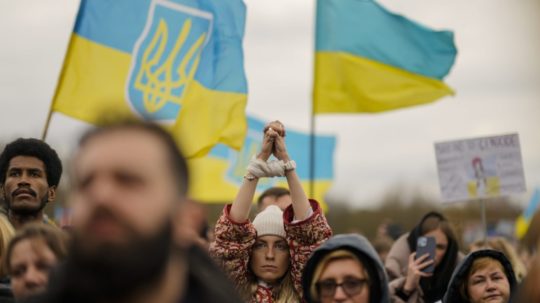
(346,268)
(408,282)
(265,258)
(502,245)
(484,276)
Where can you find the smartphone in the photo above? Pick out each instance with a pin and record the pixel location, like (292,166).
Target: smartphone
(426,245)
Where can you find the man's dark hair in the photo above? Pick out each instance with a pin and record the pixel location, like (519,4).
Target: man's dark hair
(177,160)
(276,192)
(31,147)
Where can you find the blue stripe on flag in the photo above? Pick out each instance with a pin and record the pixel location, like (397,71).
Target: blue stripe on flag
(533,205)
(364,28)
(124,21)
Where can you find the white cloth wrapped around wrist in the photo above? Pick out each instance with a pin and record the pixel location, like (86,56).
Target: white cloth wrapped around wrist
(272,168)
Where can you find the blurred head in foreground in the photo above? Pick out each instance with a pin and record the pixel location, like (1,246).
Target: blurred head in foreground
(129,185)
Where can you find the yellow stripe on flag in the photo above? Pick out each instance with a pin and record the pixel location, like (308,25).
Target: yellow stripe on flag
(208,117)
(92,81)
(522,225)
(349,83)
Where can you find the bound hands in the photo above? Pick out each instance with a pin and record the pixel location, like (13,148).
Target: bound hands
(274,142)
(414,272)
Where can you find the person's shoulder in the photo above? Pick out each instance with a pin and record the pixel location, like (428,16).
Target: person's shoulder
(398,256)
(35,299)
(401,246)
(6,296)
(3,210)
(460,257)
(207,283)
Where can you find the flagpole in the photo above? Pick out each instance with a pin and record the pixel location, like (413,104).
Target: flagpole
(484,220)
(57,90)
(312,137)
(312,153)
(312,126)
(60,77)
(47,123)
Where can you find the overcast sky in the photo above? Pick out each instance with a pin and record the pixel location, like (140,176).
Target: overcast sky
(496,77)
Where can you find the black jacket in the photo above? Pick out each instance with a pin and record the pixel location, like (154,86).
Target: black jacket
(205,284)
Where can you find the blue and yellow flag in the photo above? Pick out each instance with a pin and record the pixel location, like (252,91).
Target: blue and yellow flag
(370,60)
(523,221)
(176,62)
(217,177)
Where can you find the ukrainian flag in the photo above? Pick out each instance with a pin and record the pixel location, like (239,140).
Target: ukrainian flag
(370,60)
(176,62)
(216,178)
(523,221)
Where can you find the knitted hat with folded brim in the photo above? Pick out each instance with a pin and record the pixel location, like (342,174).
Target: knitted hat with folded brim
(270,222)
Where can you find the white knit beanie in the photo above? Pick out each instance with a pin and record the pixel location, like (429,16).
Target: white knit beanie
(270,222)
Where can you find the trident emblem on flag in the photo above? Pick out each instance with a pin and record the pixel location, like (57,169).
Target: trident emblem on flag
(165,59)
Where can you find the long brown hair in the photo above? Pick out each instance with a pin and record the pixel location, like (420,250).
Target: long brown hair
(436,285)
(283,292)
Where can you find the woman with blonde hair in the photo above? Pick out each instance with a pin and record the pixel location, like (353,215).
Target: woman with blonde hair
(266,258)
(346,268)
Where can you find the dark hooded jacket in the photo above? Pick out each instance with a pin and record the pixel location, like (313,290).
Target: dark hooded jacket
(453,294)
(429,289)
(361,247)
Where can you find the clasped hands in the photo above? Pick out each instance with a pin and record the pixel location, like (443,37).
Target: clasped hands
(274,142)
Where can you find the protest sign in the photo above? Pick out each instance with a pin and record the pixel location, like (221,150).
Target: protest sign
(480,168)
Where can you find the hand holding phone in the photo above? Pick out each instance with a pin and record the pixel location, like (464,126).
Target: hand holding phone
(426,245)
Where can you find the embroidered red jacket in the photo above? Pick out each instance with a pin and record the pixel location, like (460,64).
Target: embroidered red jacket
(233,244)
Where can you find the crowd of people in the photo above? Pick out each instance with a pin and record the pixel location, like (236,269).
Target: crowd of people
(136,236)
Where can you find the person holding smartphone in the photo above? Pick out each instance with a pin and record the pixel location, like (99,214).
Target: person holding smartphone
(414,275)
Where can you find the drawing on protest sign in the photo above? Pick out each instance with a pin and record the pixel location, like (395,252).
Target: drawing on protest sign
(480,168)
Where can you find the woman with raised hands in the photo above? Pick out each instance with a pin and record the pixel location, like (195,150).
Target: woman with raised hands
(265,258)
